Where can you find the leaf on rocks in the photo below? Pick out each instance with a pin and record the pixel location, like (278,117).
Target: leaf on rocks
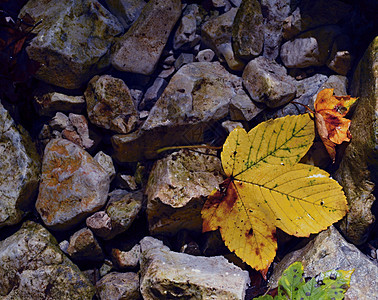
(267,188)
(332,127)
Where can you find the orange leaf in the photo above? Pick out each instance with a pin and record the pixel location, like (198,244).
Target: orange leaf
(332,127)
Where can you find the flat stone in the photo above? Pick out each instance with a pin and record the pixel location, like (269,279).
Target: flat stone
(168,274)
(33,267)
(358,168)
(73,185)
(248,30)
(217,35)
(268,82)
(50,103)
(20,167)
(177,188)
(139,49)
(100,223)
(110,105)
(73,41)
(83,246)
(119,286)
(330,251)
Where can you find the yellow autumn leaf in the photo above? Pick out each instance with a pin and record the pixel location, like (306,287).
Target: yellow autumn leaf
(267,188)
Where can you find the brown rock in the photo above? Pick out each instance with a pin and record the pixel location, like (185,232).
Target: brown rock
(73,185)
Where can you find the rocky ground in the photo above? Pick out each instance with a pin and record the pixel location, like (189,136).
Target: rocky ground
(91,90)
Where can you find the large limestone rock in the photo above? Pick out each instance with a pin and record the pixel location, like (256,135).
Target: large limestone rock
(139,49)
(247,30)
(330,251)
(170,275)
(110,105)
(33,267)
(359,166)
(198,95)
(217,34)
(268,82)
(19,170)
(177,188)
(73,41)
(73,185)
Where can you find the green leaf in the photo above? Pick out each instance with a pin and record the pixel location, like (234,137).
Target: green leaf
(330,285)
(265,297)
(292,279)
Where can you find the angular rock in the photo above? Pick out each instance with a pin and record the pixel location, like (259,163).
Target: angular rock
(139,49)
(330,251)
(100,223)
(167,274)
(106,162)
(110,105)
(122,208)
(217,34)
(358,169)
(340,58)
(153,93)
(248,30)
(73,185)
(243,109)
(127,182)
(127,11)
(268,82)
(73,41)
(186,33)
(84,246)
(198,95)
(33,267)
(119,286)
(50,103)
(79,134)
(127,259)
(275,11)
(177,188)
(183,59)
(20,167)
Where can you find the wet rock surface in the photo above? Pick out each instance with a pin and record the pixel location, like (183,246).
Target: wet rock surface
(90,136)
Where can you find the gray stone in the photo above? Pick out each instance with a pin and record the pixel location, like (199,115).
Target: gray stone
(100,223)
(80,125)
(243,109)
(110,105)
(139,49)
(60,121)
(330,251)
(106,162)
(50,103)
(33,267)
(84,246)
(176,190)
(127,259)
(205,55)
(170,275)
(217,35)
(153,93)
(73,185)
(127,11)
(106,267)
(20,167)
(198,95)
(186,33)
(119,286)
(340,59)
(183,59)
(248,30)
(338,83)
(358,169)
(122,208)
(276,12)
(231,125)
(268,82)
(73,41)
(127,182)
